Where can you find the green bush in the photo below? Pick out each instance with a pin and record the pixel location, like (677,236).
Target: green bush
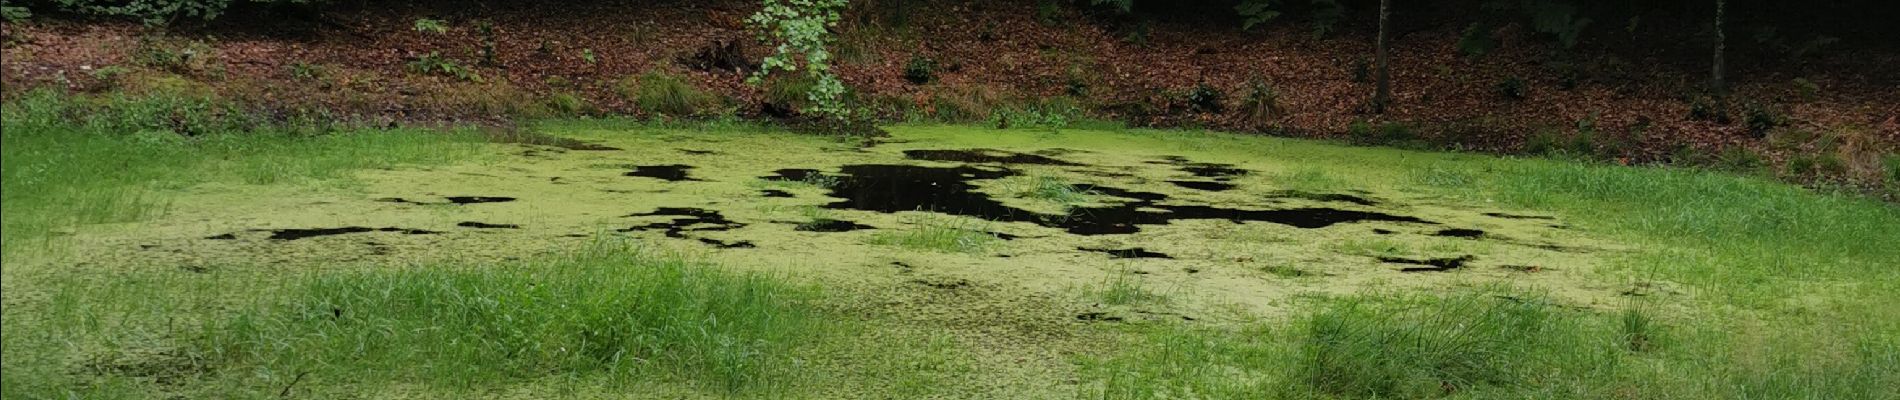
(435,64)
(1811,165)
(1204,98)
(1761,118)
(1262,103)
(569,104)
(1707,108)
(666,94)
(1477,40)
(1806,88)
(155,12)
(1513,88)
(920,70)
(176,55)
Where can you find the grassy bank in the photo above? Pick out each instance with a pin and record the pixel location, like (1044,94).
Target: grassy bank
(1782,296)
(76,160)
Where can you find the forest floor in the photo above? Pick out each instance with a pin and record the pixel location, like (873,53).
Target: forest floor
(733,260)
(1630,95)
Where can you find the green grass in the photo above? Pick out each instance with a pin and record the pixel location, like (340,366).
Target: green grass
(606,313)
(607,310)
(1052,189)
(72,161)
(941,233)
(1122,288)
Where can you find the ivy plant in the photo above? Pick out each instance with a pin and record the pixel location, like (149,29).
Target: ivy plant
(801,31)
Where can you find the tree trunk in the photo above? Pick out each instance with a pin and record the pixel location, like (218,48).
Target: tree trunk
(1717,81)
(1384,95)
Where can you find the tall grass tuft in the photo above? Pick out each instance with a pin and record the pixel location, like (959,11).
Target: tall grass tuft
(941,233)
(608,310)
(667,94)
(1355,349)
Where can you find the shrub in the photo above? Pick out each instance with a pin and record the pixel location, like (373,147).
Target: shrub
(307,71)
(666,94)
(1513,88)
(1739,159)
(435,64)
(1706,108)
(1477,40)
(156,12)
(1806,88)
(788,92)
(569,104)
(181,56)
(14,13)
(431,26)
(920,70)
(1821,164)
(1262,103)
(1761,118)
(1077,79)
(1204,98)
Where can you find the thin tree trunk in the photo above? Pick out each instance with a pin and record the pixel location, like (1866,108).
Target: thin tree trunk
(1716,79)
(1384,95)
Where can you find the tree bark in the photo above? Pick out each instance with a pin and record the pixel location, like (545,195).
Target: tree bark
(1717,81)
(1384,95)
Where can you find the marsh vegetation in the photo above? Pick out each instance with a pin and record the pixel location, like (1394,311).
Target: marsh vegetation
(714,261)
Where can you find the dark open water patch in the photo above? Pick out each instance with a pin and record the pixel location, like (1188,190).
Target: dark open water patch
(1327,197)
(485,225)
(1204,185)
(1430,264)
(305,233)
(984,156)
(830,225)
(948,190)
(1518,216)
(1460,233)
(1135,252)
(1057,152)
(742,244)
(775,193)
(222,236)
(670,173)
(686,220)
(698,152)
(477,199)
(457,200)
(1201,169)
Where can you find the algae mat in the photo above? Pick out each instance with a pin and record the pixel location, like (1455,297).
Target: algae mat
(1107,226)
